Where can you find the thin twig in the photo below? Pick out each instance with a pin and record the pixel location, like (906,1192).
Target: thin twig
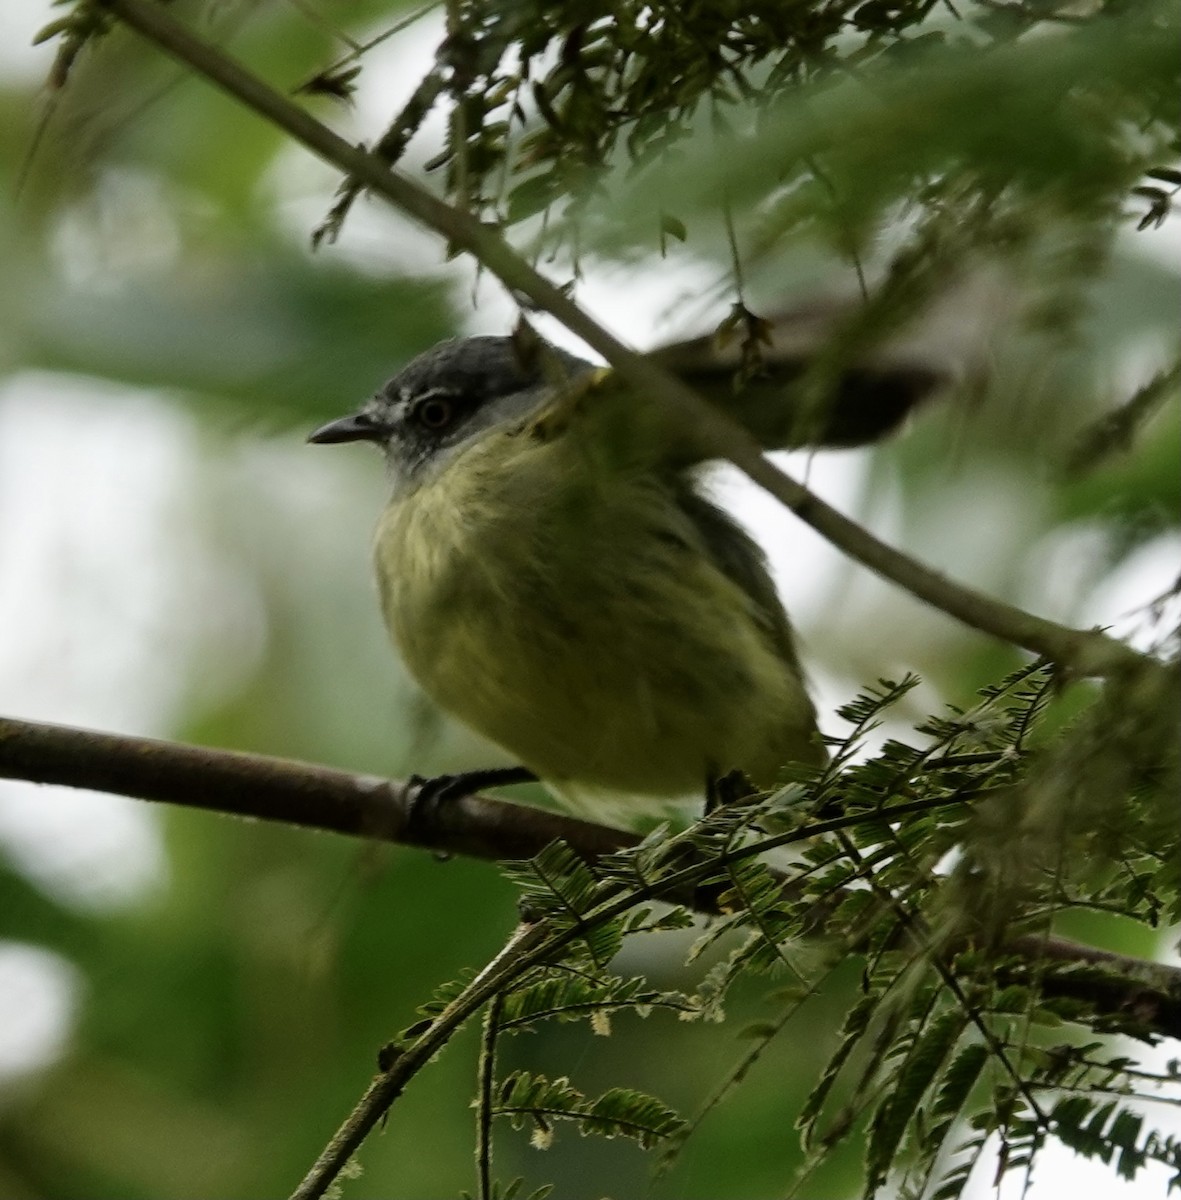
(487,1079)
(1084,652)
(362,48)
(519,954)
(1113,432)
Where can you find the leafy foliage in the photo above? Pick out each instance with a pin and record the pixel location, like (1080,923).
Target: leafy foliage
(984,129)
(954,1029)
(575,997)
(620,1112)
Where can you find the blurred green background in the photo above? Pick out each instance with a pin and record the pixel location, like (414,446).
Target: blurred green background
(189,1004)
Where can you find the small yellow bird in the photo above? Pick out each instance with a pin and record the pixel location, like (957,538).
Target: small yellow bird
(554,577)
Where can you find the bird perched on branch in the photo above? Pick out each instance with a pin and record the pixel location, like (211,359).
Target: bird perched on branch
(554,576)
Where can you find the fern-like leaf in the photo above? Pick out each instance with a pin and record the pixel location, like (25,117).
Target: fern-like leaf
(901,1105)
(528,1099)
(570,997)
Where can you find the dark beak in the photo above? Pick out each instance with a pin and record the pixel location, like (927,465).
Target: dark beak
(359,427)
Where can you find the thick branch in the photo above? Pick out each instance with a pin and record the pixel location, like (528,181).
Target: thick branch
(1084,652)
(295,793)
(316,797)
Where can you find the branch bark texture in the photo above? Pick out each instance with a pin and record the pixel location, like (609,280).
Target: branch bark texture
(293,793)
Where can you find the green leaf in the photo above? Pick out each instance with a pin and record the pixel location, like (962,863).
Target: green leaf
(856,1022)
(619,1112)
(529,198)
(673,227)
(909,1086)
(572,997)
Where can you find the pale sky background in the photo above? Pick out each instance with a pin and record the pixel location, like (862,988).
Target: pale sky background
(98,550)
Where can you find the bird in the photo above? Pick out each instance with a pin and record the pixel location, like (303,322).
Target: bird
(554,575)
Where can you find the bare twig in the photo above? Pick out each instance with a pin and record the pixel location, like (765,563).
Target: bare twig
(1084,652)
(1113,432)
(316,797)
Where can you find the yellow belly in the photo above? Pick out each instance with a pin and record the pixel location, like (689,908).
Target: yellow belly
(579,626)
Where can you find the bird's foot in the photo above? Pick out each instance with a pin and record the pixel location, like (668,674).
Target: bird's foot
(724,790)
(439,789)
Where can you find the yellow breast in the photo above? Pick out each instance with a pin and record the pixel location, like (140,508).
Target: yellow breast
(575,619)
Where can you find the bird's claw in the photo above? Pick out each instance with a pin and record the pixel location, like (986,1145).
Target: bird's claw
(427,793)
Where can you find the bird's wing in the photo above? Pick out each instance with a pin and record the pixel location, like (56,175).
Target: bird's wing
(741,559)
(759,379)
(790,381)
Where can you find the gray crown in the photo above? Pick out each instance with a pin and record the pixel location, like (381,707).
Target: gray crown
(487,382)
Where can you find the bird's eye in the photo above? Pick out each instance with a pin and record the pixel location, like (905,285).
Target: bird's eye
(435,412)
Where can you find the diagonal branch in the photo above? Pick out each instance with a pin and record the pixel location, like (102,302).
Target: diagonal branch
(523,950)
(1084,652)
